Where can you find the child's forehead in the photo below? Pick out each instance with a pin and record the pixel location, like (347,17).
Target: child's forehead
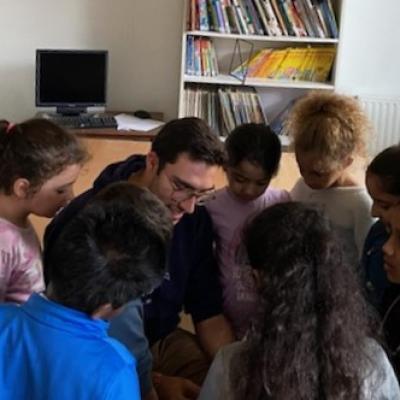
(317,160)
(249,168)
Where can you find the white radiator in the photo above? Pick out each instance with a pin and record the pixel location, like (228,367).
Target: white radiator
(384,113)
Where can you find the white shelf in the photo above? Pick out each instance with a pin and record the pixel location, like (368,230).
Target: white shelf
(273,94)
(257,82)
(262,38)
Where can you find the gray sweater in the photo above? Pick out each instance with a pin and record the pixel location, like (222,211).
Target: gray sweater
(379,383)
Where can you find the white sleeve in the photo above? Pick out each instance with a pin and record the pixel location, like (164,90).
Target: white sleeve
(362,220)
(216,385)
(380,381)
(296,192)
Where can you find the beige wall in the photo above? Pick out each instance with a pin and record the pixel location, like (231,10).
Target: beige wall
(143,38)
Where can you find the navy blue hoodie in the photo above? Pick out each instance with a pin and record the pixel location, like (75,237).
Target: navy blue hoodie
(192,280)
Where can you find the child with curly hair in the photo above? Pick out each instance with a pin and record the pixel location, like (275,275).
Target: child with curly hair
(311,338)
(329,131)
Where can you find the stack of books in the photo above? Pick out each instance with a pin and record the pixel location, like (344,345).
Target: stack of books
(311,64)
(312,18)
(236,105)
(200,57)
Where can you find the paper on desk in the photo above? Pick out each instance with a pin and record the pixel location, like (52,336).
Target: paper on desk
(130,122)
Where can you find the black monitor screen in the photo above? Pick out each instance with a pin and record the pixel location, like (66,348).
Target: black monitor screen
(71,77)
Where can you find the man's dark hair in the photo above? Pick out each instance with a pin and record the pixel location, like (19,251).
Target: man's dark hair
(191,136)
(255,143)
(113,251)
(386,165)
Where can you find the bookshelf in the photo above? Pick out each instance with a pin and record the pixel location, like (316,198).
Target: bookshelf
(213,51)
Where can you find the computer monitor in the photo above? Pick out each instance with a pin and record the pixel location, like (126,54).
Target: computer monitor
(71,80)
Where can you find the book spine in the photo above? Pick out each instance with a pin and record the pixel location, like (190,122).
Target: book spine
(272,18)
(220,16)
(203,16)
(240,18)
(255,17)
(224,7)
(329,19)
(189,55)
(263,17)
(278,14)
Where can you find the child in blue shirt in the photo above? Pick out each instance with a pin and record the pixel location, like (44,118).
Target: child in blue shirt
(56,346)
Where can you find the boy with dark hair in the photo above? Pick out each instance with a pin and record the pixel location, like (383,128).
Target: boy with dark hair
(180,170)
(56,346)
(254,152)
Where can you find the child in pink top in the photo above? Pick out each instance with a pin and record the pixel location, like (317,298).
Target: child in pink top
(39,162)
(254,152)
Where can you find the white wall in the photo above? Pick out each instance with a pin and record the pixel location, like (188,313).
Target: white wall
(144,40)
(369,62)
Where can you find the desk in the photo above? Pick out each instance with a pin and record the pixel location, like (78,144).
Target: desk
(112,133)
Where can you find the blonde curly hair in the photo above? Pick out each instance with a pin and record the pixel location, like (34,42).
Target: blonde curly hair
(332,125)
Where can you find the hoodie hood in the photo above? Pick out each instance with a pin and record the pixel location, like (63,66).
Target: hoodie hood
(119,171)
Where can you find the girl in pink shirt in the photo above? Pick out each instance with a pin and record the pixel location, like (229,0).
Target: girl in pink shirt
(39,162)
(254,152)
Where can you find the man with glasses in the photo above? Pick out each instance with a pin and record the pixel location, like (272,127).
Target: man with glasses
(180,170)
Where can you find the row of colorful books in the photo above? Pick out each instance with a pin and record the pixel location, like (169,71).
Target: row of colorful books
(310,18)
(201,59)
(312,64)
(223,108)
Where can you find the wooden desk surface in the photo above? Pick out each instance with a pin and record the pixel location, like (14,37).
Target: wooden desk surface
(111,133)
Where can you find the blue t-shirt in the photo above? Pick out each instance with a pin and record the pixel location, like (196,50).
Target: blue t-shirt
(49,351)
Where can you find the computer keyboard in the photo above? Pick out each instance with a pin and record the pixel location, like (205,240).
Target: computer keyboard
(85,121)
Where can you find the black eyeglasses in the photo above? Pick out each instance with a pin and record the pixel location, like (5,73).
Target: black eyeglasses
(182,193)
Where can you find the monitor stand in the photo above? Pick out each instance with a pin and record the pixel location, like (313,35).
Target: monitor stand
(72,110)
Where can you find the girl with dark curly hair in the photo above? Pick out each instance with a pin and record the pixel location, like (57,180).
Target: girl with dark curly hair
(311,339)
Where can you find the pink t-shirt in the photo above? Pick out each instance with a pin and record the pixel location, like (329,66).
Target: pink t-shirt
(229,216)
(20,263)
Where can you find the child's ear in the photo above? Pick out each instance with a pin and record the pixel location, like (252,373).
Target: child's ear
(348,161)
(152,162)
(21,188)
(106,311)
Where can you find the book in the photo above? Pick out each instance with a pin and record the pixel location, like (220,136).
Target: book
(313,16)
(279,17)
(203,16)
(263,17)
(273,23)
(290,67)
(189,55)
(271,66)
(329,17)
(322,64)
(298,25)
(240,17)
(277,125)
(283,8)
(299,5)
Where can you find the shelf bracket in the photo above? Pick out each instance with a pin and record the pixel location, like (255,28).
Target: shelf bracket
(241,75)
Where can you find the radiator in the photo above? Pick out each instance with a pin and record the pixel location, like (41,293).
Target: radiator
(384,113)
